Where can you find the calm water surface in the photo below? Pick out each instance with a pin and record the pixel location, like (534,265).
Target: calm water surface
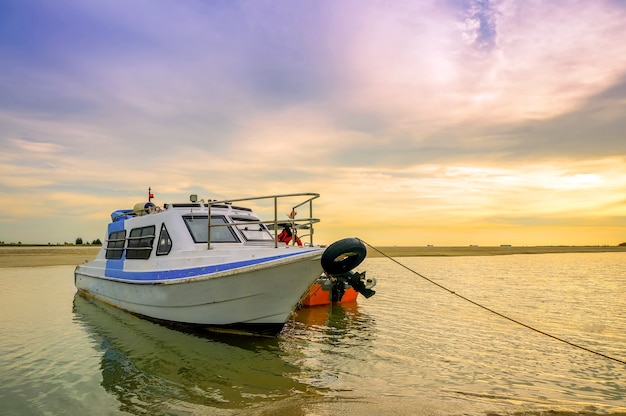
(411,349)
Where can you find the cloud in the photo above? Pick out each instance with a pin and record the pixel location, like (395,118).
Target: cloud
(418,67)
(464,113)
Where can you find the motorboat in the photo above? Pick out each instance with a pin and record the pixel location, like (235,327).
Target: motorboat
(328,289)
(214,263)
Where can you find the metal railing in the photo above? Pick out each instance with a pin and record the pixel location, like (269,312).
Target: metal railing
(294,222)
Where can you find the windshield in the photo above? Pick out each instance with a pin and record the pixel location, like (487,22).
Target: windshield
(198,227)
(253,231)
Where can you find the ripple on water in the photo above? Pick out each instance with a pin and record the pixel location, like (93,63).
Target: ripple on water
(411,346)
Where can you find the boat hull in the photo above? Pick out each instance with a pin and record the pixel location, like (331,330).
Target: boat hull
(341,289)
(260,296)
(319,295)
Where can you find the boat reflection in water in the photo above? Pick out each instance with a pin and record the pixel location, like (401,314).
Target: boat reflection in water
(152,369)
(335,320)
(329,343)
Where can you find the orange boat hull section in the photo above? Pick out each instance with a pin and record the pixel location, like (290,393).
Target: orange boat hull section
(316,295)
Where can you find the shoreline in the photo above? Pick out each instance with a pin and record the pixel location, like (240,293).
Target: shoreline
(425,251)
(36,256)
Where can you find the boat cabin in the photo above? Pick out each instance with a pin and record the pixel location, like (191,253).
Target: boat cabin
(148,231)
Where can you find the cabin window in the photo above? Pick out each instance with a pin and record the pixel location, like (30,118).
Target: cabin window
(115,245)
(253,231)
(198,227)
(165,242)
(140,243)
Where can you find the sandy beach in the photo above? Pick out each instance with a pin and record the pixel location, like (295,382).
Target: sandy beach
(33,256)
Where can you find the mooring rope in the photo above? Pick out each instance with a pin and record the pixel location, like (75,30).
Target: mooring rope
(495,312)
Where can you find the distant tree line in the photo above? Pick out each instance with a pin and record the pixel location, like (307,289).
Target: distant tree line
(79,241)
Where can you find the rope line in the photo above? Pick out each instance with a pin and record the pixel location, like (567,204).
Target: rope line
(495,312)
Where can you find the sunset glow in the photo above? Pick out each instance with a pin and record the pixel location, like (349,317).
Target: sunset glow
(444,123)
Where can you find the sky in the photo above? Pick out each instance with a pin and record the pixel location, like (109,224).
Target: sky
(449,123)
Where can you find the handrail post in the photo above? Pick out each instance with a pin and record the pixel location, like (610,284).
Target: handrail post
(275,222)
(208,238)
(311,216)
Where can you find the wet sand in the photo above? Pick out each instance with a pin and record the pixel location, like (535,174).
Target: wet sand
(33,256)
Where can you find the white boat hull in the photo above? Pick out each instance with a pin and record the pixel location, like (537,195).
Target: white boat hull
(258,295)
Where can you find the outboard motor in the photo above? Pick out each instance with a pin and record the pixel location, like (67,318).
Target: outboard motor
(339,259)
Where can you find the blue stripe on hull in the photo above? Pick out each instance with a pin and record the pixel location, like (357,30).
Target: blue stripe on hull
(114,269)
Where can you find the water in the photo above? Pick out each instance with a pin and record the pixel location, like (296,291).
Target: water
(413,348)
